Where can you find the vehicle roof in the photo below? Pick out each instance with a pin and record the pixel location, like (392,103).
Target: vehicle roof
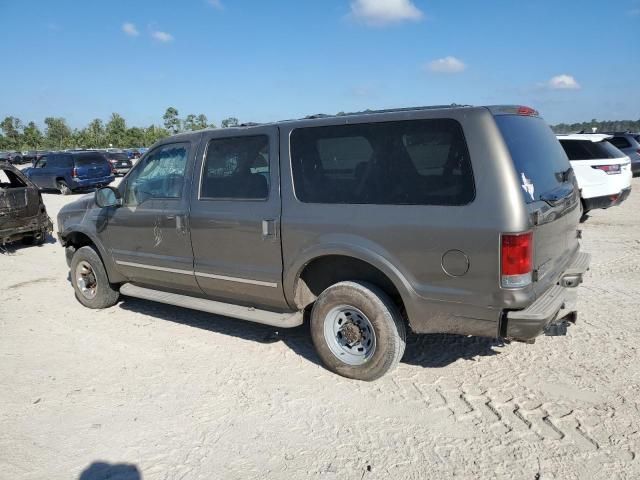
(362,116)
(592,137)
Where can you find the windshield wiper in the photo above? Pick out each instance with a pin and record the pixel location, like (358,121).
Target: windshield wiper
(557,195)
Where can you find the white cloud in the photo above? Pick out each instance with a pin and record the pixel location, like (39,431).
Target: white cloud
(163,37)
(563,82)
(216,4)
(130,29)
(384,12)
(446,65)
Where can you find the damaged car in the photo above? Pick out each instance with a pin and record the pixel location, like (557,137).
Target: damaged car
(23,215)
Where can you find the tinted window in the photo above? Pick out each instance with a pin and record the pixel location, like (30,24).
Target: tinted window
(619,142)
(588,150)
(117,156)
(159,175)
(417,162)
(537,156)
(236,168)
(89,159)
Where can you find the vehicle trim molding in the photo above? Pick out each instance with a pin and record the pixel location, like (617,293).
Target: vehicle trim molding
(198,274)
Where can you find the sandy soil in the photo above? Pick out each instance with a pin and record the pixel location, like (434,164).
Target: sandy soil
(169,393)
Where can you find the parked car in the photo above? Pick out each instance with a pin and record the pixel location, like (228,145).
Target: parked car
(12,157)
(120,162)
(460,220)
(603,172)
(71,171)
(23,215)
(629,144)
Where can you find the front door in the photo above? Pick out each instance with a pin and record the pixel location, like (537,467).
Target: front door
(235,218)
(149,234)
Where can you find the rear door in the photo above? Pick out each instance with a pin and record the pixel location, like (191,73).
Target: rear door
(235,217)
(549,190)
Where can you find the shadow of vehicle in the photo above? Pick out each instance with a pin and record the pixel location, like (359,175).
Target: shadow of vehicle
(108,471)
(430,351)
(15,246)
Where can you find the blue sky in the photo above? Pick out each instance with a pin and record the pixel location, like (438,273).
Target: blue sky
(266,60)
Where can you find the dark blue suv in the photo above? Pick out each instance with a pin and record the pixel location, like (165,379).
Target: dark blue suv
(70,171)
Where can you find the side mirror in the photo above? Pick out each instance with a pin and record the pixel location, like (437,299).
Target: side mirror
(108,197)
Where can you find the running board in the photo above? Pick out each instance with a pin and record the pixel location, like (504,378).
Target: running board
(282,320)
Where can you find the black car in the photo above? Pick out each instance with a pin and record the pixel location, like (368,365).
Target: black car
(23,215)
(120,162)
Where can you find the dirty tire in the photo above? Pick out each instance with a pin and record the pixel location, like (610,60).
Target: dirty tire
(383,315)
(64,188)
(105,296)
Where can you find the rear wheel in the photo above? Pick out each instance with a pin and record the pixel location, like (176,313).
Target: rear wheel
(90,281)
(357,330)
(63,187)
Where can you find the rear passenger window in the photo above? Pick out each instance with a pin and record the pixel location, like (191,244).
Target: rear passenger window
(236,167)
(417,162)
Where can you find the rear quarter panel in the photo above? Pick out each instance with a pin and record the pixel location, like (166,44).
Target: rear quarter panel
(408,242)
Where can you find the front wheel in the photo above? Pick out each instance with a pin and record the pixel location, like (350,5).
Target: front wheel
(357,330)
(90,281)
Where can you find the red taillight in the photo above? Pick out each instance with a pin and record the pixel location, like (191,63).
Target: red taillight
(516,259)
(74,172)
(527,111)
(608,169)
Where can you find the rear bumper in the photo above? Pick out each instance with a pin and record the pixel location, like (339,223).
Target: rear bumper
(92,182)
(556,304)
(606,201)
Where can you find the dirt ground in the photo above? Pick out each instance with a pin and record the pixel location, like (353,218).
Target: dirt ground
(144,390)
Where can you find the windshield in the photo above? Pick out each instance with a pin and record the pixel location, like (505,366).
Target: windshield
(537,156)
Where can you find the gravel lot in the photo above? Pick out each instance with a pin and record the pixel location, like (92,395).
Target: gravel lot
(169,393)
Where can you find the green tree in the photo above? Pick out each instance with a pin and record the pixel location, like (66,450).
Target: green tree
(96,135)
(229,122)
(193,122)
(202,122)
(134,137)
(171,120)
(57,133)
(11,128)
(32,137)
(153,133)
(116,130)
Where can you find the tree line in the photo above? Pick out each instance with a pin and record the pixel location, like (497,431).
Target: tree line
(57,135)
(602,126)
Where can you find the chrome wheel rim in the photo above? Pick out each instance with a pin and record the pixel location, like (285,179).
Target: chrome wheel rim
(349,335)
(86,280)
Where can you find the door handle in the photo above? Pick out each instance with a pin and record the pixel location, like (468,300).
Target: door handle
(181,224)
(268,228)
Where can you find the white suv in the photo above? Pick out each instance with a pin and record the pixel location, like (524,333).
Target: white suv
(603,172)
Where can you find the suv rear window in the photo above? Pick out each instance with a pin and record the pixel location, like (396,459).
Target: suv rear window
(537,156)
(89,159)
(415,162)
(117,156)
(619,142)
(588,150)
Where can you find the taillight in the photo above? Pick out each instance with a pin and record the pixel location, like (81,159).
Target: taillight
(516,259)
(527,111)
(608,169)
(74,172)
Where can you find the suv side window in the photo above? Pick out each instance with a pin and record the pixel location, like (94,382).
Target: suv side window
(159,175)
(236,168)
(42,162)
(414,162)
